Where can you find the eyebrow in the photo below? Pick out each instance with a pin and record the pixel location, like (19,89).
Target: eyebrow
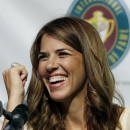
(58,50)
(41,53)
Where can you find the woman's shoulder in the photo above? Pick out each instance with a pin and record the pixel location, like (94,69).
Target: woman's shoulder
(26,128)
(125,119)
(125,114)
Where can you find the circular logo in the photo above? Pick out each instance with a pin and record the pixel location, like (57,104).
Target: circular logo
(111,20)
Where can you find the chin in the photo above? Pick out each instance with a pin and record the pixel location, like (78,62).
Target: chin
(58,98)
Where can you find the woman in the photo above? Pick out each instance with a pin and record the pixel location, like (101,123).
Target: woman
(72,86)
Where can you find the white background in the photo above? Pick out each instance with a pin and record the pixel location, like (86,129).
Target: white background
(20,20)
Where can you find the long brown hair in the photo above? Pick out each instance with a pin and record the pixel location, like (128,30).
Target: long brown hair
(101,112)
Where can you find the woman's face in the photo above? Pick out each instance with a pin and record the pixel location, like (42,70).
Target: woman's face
(61,69)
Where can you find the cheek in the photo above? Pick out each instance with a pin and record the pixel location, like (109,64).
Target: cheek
(74,66)
(78,70)
(41,69)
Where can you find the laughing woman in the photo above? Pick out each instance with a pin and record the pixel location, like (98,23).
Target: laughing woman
(72,86)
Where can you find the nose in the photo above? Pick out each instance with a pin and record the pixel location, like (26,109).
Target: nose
(52,65)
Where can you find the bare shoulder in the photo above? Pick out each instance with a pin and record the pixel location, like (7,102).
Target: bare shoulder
(26,128)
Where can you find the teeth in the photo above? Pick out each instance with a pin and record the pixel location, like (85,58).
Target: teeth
(54,79)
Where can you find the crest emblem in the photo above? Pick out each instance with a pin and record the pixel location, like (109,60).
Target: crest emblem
(112,22)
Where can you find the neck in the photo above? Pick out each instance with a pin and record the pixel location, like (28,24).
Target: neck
(75,108)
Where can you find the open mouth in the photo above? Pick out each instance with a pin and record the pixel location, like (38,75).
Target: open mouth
(57,80)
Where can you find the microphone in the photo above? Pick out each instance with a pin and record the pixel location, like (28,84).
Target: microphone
(8,115)
(17,118)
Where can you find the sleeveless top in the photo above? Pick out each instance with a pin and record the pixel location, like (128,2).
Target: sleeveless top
(125,119)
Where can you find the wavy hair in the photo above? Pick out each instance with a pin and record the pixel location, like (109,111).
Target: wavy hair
(101,113)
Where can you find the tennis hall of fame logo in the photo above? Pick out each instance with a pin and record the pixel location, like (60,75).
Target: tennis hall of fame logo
(111,19)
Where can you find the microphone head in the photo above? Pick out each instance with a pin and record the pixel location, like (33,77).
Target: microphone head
(1,109)
(21,111)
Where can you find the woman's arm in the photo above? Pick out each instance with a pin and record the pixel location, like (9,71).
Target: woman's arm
(14,79)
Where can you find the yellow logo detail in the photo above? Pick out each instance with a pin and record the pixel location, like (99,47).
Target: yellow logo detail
(103,25)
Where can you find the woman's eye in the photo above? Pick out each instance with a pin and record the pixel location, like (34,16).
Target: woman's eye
(43,57)
(63,54)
